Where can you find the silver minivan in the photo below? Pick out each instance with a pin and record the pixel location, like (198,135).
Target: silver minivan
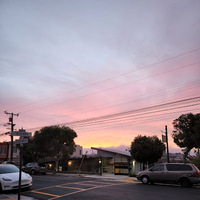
(183,174)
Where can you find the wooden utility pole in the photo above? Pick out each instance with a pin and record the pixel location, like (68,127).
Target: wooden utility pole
(167,144)
(12,129)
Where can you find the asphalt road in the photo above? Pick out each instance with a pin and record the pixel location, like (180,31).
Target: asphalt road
(74,187)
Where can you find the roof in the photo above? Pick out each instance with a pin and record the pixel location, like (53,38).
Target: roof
(116,151)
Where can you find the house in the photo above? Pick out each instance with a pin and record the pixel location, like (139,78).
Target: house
(5,149)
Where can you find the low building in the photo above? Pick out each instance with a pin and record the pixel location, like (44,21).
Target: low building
(5,149)
(117,162)
(104,161)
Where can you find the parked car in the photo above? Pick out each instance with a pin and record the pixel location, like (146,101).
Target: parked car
(183,174)
(34,168)
(9,162)
(9,178)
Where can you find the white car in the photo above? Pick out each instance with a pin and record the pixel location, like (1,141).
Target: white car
(9,178)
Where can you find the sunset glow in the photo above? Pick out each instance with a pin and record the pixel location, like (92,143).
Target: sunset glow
(104,68)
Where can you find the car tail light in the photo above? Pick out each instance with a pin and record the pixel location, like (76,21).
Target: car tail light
(196,173)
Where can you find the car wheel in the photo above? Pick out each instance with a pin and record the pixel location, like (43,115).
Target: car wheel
(145,179)
(32,172)
(184,182)
(44,173)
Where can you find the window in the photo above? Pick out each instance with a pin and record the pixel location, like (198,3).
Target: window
(185,168)
(173,167)
(2,150)
(158,168)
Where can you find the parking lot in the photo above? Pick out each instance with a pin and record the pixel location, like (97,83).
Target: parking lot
(87,188)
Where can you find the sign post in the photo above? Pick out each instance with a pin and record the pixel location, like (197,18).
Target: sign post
(20,170)
(22,140)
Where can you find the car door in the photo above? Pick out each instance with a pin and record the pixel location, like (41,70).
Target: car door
(28,167)
(157,173)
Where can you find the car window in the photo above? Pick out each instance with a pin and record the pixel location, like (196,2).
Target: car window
(5,169)
(30,164)
(173,167)
(158,168)
(185,168)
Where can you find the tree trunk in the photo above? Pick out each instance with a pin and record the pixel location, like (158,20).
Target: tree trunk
(186,155)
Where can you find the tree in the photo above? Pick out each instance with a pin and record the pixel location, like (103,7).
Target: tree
(30,152)
(146,149)
(187,132)
(55,142)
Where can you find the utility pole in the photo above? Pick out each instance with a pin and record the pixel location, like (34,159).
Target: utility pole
(79,169)
(167,144)
(12,129)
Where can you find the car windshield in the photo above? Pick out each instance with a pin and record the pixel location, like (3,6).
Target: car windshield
(5,169)
(31,164)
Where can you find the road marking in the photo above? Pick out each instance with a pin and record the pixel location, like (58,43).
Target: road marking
(87,190)
(48,194)
(83,184)
(87,183)
(61,186)
(127,179)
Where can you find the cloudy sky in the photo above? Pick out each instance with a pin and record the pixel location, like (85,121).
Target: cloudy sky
(97,65)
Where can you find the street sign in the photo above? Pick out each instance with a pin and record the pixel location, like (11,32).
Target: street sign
(21,141)
(21,133)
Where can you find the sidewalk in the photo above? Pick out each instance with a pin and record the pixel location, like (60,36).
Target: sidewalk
(112,177)
(14,197)
(103,176)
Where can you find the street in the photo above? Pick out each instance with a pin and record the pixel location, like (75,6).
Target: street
(74,187)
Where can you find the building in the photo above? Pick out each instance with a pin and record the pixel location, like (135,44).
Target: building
(78,153)
(117,162)
(5,149)
(107,161)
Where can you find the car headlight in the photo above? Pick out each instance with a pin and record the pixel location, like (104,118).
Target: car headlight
(6,179)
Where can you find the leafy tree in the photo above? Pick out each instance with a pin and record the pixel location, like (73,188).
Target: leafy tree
(30,153)
(187,132)
(146,149)
(55,142)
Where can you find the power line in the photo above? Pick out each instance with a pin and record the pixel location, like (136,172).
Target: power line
(140,120)
(136,110)
(121,75)
(140,98)
(132,117)
(114,87)
(125,113)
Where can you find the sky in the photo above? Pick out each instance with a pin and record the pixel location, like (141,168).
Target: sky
(107,69)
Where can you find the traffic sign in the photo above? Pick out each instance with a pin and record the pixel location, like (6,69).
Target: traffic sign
(21,133)
(21,141)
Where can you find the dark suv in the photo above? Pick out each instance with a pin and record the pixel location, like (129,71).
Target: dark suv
(183,174)
(34,168)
